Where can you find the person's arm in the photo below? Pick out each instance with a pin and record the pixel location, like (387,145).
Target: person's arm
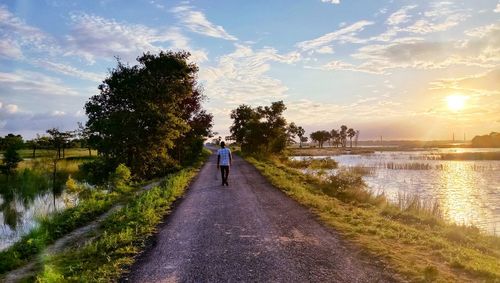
(218,160)
(230,158)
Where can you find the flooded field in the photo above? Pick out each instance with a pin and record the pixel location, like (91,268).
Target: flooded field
(20,215)
(468,191)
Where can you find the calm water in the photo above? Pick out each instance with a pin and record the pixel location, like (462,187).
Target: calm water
(20,215)
(467,191)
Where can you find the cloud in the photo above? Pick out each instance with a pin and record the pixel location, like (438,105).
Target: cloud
(16,34)
(240,77)
(198,23)
(28,124)
(331,1)
(93,36)
(482,50)
(35,83)
(497,8)
(346,34)
(400,16)
(10,49)
(488,82)
(69,70)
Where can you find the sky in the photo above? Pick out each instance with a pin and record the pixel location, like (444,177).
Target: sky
(391,68)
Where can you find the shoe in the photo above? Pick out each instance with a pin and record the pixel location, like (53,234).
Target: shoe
(227,184)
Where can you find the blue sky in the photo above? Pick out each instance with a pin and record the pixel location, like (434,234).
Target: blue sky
(384,67)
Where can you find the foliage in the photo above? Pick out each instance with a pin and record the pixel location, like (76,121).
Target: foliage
(418,246)
(54,227)
(260,129)
(320,137)
(121,176)
(104,258)
(311,163)
(142,111)
(491,140)
(11,159)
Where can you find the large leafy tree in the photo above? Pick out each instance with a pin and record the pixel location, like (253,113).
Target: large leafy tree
(142,111)
(321,137)
(261,129)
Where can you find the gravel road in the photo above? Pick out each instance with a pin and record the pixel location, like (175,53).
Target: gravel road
(250,232)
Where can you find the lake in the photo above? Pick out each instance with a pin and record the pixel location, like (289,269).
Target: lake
(468,191)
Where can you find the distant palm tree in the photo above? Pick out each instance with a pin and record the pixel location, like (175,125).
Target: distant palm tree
(351,133)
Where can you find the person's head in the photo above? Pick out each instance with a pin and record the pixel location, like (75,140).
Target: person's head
(222,144)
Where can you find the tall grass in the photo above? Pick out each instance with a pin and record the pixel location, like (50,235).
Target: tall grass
(105,258)
(409,236)
(312,163)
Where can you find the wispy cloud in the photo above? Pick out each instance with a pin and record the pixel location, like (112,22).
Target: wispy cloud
(331,1)
(69,70)
(400,16)
(197,22)
(94,36)
(34,83)
(240,77)
(346,34)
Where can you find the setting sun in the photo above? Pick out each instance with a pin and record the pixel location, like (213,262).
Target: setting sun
(456,102)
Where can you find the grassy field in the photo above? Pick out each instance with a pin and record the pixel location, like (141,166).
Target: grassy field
(48,153)
(413,240)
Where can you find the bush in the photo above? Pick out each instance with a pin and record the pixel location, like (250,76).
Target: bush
(121,176)
(96,171)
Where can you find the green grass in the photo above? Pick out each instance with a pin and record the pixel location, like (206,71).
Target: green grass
(48,153)
(54,227)
(124,233)
(413,241)
(311,163)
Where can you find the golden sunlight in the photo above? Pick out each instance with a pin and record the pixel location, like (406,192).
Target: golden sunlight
(456,102)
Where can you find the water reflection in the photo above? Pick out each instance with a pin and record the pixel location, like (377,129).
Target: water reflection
(24,198)
(468,192)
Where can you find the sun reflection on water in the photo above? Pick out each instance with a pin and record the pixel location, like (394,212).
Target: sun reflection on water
(460,194)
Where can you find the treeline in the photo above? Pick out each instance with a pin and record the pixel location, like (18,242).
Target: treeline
(263,129)
(147,116)
(335,137)
(491,140)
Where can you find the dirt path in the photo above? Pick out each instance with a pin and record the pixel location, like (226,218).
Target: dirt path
(249,231)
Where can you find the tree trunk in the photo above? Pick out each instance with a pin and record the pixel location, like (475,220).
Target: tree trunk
(34,152)
(90,151)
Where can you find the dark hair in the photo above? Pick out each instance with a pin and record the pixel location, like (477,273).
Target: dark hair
(222,143)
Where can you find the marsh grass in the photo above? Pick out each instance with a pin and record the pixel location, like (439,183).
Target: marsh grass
(408,166)
(410,237)
(311,163)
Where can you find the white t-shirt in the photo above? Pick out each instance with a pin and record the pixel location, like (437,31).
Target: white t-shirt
(224,154)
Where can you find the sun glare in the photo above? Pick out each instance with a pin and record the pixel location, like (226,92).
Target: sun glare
(456,102)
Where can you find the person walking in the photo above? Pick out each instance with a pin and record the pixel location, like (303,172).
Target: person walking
(224,160)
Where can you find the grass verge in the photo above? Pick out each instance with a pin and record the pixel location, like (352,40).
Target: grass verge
(420,247)
(54,227)
(124,234)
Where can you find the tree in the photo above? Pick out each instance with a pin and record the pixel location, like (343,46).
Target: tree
(11,140)
(320,137)
(335,136)
(291,131)
(144,111)
(351,133)
(261,129)
(300,134)
(85,137)
(343,135)
(11,159)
